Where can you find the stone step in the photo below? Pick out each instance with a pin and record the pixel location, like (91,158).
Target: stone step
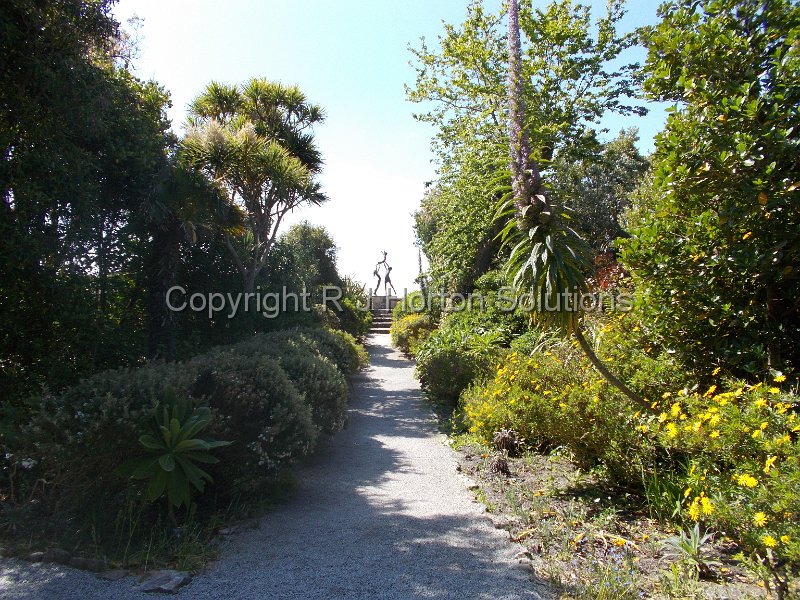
(381,320)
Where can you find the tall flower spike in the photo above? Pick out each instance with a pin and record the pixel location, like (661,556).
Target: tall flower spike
(526,179)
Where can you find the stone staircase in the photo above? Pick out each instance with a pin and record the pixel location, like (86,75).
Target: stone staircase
(381,308)
(381,320)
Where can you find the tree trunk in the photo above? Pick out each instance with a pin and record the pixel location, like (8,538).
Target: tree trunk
(249,280)
(162,272)
(102,268)
(598,364)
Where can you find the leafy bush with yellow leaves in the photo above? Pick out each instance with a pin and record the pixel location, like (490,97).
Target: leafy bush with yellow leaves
(560,401)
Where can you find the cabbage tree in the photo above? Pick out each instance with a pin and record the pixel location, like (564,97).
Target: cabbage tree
(255,142)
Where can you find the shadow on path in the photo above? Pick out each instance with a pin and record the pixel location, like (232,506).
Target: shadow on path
(380,512)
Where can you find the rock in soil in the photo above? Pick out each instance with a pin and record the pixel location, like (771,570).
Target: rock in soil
(113,575)
(165,582)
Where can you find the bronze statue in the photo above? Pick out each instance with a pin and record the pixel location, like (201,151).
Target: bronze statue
(387,281)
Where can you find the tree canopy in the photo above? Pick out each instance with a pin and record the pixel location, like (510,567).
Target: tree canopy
(716,243)
(255,142)
(571,74)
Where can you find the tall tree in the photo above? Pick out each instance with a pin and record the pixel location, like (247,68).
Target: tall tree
(81,142)
(181,203)
(255,141)
(455,228)
(569,76)
(304,257)
(598,185)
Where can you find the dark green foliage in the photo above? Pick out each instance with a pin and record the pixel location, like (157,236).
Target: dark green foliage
(304,257)
(259,409)
(354,317)
(81,146)
(455,229)
(322,385)
(77,440)
(715,250)
(597,186)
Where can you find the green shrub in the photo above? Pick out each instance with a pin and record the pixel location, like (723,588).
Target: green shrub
(78,438)
(534,342)
(353,319)
(323,386)
(340,347)
(554,402)
(638,356)
(415,303)
(451,358)
(76,441)
(256,406)
(67,456)
(410,331)
(87,430)
(315,376)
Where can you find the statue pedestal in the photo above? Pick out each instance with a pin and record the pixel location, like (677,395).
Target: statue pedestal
(383,302)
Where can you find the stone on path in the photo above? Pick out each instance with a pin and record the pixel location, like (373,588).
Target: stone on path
(165,582)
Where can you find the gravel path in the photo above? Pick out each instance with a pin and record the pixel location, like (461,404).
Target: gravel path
(380,512)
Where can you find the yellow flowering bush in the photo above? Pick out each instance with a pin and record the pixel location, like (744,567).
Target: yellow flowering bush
(409,331)
(557,401)
(731,447)
(742,444)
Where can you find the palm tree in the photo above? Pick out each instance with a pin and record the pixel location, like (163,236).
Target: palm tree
(255,142)
(548,256)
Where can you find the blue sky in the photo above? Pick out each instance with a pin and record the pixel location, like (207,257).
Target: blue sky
(351,57)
